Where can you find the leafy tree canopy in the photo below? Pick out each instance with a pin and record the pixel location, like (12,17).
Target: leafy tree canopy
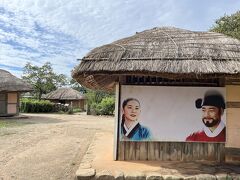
(228,25)
(42,78)
(99,103)
(75,85)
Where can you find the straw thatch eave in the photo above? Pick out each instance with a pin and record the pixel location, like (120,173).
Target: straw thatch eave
(10,83)
(106,80)
(163,51)
(64,94)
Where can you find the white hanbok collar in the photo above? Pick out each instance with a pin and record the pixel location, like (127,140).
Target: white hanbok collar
(216,132)
(130,129)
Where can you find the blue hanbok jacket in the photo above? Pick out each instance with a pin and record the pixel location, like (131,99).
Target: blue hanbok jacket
(138,133)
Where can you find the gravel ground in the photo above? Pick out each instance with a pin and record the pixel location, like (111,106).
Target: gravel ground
(48,146)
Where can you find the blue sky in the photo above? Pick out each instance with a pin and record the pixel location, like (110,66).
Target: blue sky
(62,31)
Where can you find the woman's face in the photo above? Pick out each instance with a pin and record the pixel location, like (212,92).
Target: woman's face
(132,110)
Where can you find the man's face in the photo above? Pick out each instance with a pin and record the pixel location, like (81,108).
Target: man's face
(211,115)
(131,110)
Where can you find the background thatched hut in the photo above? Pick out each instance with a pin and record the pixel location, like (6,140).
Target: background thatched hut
(169,56)
(67,96)
(10,89)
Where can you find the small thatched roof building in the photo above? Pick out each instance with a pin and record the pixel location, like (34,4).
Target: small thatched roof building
(9,82)
(10,89)
(67,96)
(174,66)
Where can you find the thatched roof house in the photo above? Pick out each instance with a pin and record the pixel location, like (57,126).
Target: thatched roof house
(10,89)
(162,64)
(9,82)
(167,52)
(67,96)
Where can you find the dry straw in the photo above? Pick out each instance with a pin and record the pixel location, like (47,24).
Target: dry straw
(11,83)
(167,52)
(64,94)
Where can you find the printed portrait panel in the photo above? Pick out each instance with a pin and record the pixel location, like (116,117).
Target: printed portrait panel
(178,114)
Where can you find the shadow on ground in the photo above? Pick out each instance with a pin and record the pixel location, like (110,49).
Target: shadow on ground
(28,119)
(194,168)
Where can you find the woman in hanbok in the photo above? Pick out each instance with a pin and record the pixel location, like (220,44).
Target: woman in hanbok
(131,129)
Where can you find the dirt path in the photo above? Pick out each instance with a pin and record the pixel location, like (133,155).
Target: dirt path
(48,146)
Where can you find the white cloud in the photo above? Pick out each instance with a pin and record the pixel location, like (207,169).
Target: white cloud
(95,22)
(23,40)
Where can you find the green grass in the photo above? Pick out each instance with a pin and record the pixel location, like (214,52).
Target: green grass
(12,123)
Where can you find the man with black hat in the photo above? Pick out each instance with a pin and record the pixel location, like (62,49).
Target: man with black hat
(214,130)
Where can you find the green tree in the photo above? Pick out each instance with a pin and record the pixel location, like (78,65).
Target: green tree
(42,78)
(228,25)
(75,85)
(94,101)
(106,106)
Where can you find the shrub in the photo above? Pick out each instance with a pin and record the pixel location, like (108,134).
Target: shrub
(35,106)
(76,110)
(100,103)
(70,111)
(105,107)
(93,109)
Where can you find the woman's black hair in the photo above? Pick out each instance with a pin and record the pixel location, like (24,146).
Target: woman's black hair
(125,103)
(127,100)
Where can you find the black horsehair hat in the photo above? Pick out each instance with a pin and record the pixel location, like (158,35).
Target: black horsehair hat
(211,98)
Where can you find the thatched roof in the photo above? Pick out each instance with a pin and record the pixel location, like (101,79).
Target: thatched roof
(64,94)
(9,82)
(166,51)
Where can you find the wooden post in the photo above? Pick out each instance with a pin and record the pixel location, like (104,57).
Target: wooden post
(116,128)
(18,102)
(233,123)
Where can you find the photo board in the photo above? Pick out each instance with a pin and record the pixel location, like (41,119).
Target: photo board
(170,113)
